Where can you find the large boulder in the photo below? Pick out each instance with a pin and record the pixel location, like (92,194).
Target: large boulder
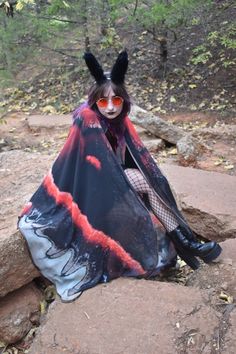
(131,317)
(16,267)
(20,175)
(207,199)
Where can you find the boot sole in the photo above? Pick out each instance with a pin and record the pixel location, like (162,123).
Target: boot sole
(213,254)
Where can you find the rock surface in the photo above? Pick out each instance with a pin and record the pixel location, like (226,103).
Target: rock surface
(18,312)
(219,276)
(16,267)
(131,317)
(230,342)
(207,199)
(37,122)
(20,175)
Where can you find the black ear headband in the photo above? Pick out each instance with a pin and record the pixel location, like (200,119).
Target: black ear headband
(118,70)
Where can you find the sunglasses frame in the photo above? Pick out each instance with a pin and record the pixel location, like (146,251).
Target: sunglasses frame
(107,101)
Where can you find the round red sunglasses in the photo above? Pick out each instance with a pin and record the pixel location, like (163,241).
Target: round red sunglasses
(116,101)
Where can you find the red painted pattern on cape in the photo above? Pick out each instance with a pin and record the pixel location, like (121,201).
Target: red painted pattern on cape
(94,161)
(74,135)
(26,209)
(90,234)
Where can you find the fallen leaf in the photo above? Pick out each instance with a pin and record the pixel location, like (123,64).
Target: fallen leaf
(50,293)
(181,263)
(2,344)
(172,152)
(63,136)
(218,163)
(227,298)
(193,107)
(49,109)
(202,104)
(43,307)
(229,167)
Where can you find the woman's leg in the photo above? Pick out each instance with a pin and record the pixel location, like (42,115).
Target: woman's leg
(207,252)
(139,183)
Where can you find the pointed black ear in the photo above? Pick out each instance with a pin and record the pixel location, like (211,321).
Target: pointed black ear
(119,69)
(94,68)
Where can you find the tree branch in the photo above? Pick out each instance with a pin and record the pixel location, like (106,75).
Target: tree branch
(56,19)
(59,51)
(135,8)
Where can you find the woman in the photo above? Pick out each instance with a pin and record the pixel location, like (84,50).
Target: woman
(105,209)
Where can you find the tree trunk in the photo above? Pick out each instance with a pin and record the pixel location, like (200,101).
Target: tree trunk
(105,17)
(85,14)
(6,54)
(163,54)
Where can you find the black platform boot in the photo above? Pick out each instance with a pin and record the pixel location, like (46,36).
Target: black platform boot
(188,245)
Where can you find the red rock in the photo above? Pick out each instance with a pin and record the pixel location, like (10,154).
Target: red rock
(207,199)
(220,275)
(19,310)
(20,176)
(130,316)
(52,121)
(16,267)
(229,328)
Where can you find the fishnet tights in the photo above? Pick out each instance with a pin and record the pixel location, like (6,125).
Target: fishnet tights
(139,183)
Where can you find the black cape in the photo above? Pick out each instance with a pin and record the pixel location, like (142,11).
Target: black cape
(86,224)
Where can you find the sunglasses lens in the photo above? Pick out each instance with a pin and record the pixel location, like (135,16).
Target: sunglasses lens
(102,103)
(117,101)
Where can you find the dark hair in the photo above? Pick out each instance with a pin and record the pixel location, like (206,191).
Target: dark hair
(97,91)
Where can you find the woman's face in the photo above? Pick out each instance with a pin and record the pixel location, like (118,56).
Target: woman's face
(110,105)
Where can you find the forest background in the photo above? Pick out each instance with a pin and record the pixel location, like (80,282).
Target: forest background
(182,53)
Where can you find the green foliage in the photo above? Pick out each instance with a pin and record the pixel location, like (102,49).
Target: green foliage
(227,63)
(200,55)
(12,36)
(6,79)
(225,37)
(30,28)
(228,42)
(221,40)
(59,7)
(213,37)
(195,21)
(161,14)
